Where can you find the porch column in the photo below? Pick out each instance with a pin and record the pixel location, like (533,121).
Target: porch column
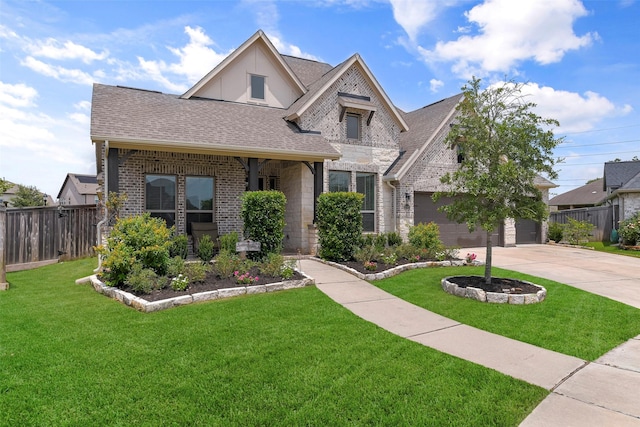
(253,174)
(318,183)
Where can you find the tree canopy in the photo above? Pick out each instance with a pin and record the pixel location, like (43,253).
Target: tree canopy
(504,147)
(27,196)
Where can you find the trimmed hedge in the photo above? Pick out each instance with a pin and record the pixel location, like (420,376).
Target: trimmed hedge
(263,216)
(339,225)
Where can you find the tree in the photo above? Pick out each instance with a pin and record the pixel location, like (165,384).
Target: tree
(505,145)
(27,196)
(4,185)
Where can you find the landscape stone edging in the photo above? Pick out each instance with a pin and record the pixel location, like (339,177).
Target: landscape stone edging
(145,306)
(396,270)
(494,297)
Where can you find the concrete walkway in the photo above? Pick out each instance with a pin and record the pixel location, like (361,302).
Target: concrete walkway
(604,392)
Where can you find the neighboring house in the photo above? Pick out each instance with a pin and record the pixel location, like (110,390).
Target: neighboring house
(622,185)
(79,190)
(589,195)
(262,120)
(7,197)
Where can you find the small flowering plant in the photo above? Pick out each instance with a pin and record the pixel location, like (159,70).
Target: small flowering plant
(370,265)
(245,278)
(180,282)
(470,258)
(414,258)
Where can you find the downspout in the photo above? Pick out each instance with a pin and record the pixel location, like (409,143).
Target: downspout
(105,196)
(394,208)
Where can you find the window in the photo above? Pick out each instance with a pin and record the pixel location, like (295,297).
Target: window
(366,184)
(199,195)
(353,126)
(160,197)
(257,87)
(339,181)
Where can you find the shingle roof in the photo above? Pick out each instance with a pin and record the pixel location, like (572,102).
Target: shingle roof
(590,194)
(618,174)
(308,71)
(423,124)
(155,120)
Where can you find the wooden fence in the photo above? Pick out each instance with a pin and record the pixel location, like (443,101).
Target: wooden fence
(601,217)
(34,236)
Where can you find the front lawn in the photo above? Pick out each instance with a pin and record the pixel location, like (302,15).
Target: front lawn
(569,320)
(70,356)
(609,248)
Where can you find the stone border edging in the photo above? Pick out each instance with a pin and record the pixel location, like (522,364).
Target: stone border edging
(396,270)
(145,306)
(494,297)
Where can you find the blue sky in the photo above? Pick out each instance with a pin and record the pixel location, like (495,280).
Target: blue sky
(580,62)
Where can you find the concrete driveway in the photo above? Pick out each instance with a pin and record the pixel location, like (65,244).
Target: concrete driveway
(613,276)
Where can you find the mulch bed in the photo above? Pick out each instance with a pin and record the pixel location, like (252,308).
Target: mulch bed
(499,285)
(211,283)
(380,267)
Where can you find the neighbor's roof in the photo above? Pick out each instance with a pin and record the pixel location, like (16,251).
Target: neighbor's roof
(424,124)
(85,184)
(590,194)
(621,175)
(149,120)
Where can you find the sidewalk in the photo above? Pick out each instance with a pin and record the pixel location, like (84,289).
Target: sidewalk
(583,394)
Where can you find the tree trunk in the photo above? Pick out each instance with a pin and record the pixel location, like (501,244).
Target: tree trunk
(487,261)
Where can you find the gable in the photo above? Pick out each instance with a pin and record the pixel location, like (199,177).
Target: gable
(231,80)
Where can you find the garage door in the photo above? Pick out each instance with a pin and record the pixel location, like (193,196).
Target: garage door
(527,231)
(451,233)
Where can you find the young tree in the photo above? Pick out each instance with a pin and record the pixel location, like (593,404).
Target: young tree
(504,146)
(27,196)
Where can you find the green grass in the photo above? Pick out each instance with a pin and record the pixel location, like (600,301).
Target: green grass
(569,321)
(609,248)
(69,356)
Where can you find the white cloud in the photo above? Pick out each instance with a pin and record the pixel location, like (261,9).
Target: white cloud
(510,32)
(196,57)
(412,15)
(575,112)
(82,105)
(289,49)
(57,72)
(80,118)
(435,85)
(53,49)
(18,95)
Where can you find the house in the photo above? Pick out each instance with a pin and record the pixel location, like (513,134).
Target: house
(588,195)
(622,184)
(261,120)
(7,197)
(78,190)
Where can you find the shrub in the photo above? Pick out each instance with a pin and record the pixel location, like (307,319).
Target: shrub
(288,269)
(365,253)
(389,257)
(140,239)
(426,236)
(576,232)
(394,239)
(205,248)
(196,271)
(380,241)
(629,230)
(272,265)
(339,224)
(409,252)
(225,263)
(263,216)
(555,231)
(228,242)
(142,280)
(179,246)
(175,266)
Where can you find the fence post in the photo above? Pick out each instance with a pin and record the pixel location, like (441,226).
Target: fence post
(3,243)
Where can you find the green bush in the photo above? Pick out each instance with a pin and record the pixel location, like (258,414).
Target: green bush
(179,246)
(366,253)
(272,265)
(138,239)
(576,232)
(205,248)
(228,242)
(225,263)
(175,266)
(426,236)
(629,230)
(555,231)
(180,282)
(196,271)
(339,224)
(263,216)
(394,239)
(142,280)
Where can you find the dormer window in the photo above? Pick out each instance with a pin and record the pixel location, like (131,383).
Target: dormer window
(353,126)
(257,87)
